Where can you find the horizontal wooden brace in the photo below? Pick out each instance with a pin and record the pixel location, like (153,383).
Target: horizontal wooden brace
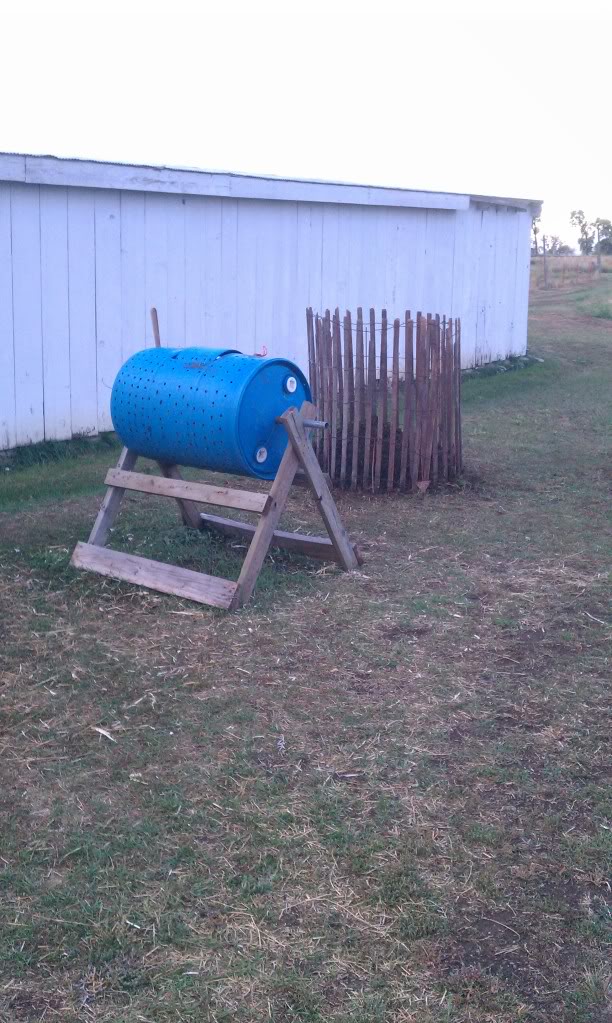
(186,490)
(180,582)
(313,546)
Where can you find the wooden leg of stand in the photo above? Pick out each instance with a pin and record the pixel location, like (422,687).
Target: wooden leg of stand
(110,504)
(189,509)
(279,492)
(304,452)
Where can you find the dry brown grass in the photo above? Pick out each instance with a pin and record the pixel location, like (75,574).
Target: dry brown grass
(366,798)
(568,271)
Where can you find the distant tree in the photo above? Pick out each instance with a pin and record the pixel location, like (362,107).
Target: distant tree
(587,232)
(535,227)
(558,248)
(603,230)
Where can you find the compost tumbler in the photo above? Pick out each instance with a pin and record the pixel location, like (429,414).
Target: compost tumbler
(211,408)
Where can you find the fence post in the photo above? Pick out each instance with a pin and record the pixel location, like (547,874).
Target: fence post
(358,408)
(382,404)
(393,421)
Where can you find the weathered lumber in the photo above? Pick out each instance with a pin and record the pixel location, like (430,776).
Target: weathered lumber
(204,493)
(327,333)
(189,511)
(393,422)
(382,404)
(303,451)
(298,543)
(155,325)
(407,453)
(348,398)
(180,582)
(266,527)
(312,362)
(359,397)
(112,500)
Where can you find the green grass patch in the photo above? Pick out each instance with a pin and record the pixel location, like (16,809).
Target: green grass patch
(364,798)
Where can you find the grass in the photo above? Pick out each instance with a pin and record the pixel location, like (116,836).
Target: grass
(598,301)
(363,799)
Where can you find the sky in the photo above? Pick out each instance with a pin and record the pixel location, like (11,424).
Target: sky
(507,97)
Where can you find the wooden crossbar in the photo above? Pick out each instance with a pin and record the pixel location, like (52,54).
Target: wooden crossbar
(299,543)
(186,490)
(181,582)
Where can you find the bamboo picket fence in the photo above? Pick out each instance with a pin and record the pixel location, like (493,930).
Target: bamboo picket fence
(393,403)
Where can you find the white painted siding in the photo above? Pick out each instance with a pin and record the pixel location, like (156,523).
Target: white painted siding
(491,282)
(80,268)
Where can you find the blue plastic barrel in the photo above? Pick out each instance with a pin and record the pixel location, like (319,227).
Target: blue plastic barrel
(212,408)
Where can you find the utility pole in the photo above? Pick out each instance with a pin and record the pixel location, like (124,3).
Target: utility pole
(545,262)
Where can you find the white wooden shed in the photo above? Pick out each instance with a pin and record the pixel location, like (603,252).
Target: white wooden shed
(86,249)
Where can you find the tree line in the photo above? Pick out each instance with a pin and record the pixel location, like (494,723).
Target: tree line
(595,237)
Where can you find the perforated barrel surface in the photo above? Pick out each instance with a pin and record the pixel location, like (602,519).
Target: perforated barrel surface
(211,408)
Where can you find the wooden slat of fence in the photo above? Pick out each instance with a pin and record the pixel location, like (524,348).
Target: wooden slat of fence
(426,392)
(330,381)
(333,412)
(435,365)
(435,382)
(382,400)
(393,421)
(320,390)
(450,404)
(431,396)
(443,406)
(458,432)
(351,368)
(449,399)
(359,397)
(312,362)
(370,403)
(407,419)
(419,397)
(413,462)
(338,394)
(351,385)
(348,398)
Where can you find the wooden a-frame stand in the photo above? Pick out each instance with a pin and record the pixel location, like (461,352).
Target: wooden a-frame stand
(209,589)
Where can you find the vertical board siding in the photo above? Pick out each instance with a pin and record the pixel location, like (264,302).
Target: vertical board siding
(194,294)
(229,258)
(505,282)
(465,273)
(7,348)
(27,318)
(108,299)
(80,269)
(82,311)
(246,278)
(520,299)
(286,288)
(267,271)
(210,255)
(175,239)
(486,287)
(133,275)
(156,265)
(55,316)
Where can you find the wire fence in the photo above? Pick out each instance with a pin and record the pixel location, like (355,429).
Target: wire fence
(391,392)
